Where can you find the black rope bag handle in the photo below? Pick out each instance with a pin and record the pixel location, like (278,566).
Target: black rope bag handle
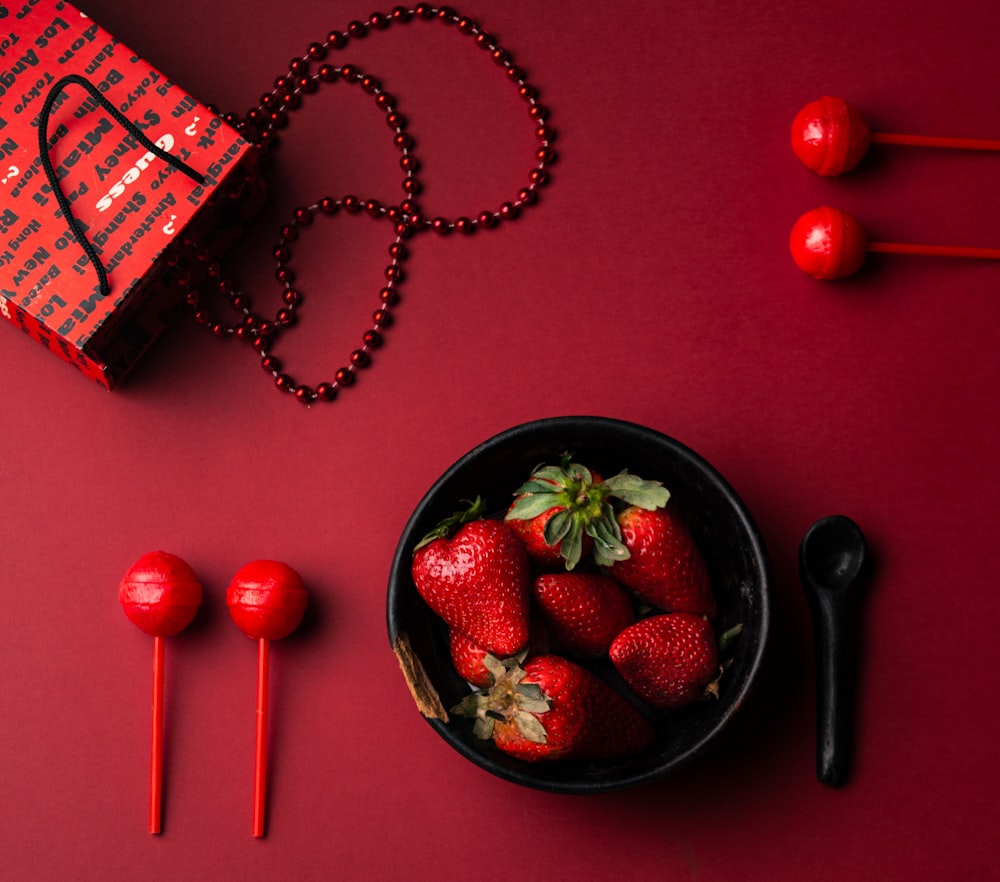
(64,204)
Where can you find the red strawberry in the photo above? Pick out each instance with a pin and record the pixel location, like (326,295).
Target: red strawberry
(667,660)
(554,709)
(664,566)
(467,657)
(477,580)
(562,512)
(584,611)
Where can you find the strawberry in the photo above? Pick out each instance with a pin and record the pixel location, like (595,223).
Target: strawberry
(584,610)
(664,566)
(477,579)
(554,709)
(667,659)
(467,657)
(562,512)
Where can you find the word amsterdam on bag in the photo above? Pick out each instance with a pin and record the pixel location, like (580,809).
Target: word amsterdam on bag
(84,285)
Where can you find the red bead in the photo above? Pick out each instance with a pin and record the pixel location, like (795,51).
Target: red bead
(336,40)
(423,10)
(261,342)
(289,232)
(304,394)
(398,251)
(370,85)
(395,120)
(400,13)
(447,15)
(350,73)
(411,186)
(357,29)
(219,329)
(373,339)
(328,205)
(409,163)
(316,51)
(284,382)
(373,207)
(282,253)
(285,317)
(527,196)
(326,391)
(378,20)
(485,40)
(351,204)
(467,25)
(441,226)
(201,316)
(538,176)
(327,73)
(528,92)
(285,275)
(516,74)
(303,216)
(389,295)
(508,211)
(306,84)
(360,358)
(500,56)
(382,318)
(545,154)
(403,141)
(344,377)
(384,100)
(271,364)
(828,244)
(394,273)
(291,296)
(239,302)
(464,225)
(487,219)
(284,84)
(538,111)
(298,67)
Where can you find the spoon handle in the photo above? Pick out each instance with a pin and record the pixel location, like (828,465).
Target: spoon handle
(832,630)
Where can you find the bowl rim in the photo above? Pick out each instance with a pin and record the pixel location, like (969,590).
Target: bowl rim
(400,575)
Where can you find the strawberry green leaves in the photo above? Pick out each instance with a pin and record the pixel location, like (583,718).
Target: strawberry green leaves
(570,502)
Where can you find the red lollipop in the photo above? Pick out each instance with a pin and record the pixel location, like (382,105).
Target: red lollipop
(161,595)
(831,244)
(266,599)
(830,136)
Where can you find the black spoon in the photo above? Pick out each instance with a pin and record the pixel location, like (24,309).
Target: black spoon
(832,561)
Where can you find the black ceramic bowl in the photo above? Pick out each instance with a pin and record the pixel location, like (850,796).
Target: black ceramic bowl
(722,528)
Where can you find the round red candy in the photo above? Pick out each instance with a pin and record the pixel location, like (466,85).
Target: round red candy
(160,594)
(830,136)
(266,599)
(827,243)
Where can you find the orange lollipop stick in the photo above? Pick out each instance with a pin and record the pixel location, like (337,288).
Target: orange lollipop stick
(266,600)
(160,594)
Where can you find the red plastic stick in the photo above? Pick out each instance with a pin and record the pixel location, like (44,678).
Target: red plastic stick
(156,759)
(938,250)
(260,758)
(935,141)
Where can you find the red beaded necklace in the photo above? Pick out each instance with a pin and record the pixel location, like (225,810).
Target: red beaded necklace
(260,126)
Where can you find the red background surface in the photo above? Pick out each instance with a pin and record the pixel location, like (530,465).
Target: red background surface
(652,283)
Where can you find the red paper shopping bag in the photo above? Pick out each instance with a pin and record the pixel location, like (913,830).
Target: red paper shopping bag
(135,159)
